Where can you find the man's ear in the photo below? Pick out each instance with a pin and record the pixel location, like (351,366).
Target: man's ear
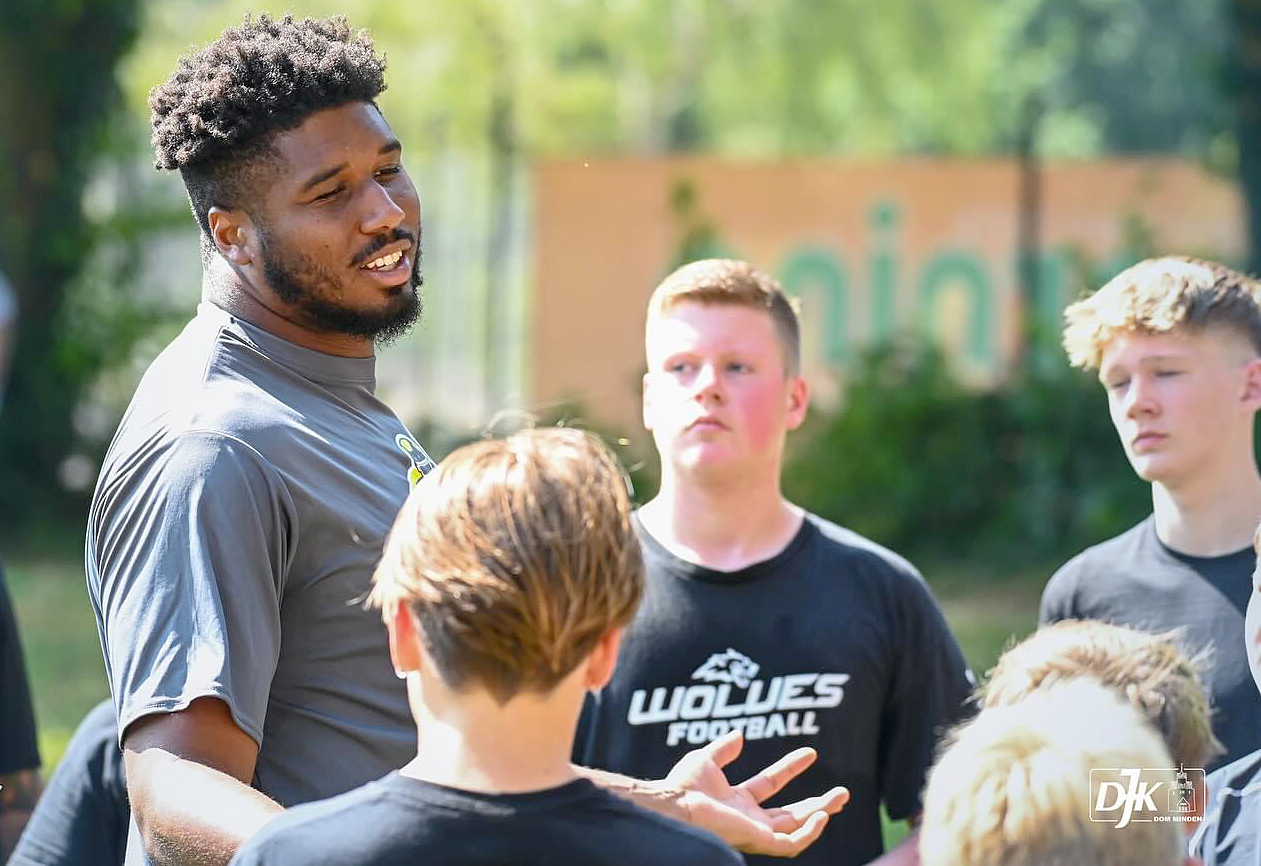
(798,401)
(603,660)
(233,235)
(404,646)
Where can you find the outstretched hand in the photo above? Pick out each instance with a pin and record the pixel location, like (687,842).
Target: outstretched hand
(735,812)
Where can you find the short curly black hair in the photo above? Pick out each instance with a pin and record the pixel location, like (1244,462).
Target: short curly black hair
(215,118)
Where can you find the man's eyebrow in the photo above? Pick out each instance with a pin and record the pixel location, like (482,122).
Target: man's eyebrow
(391,146)
(322,176)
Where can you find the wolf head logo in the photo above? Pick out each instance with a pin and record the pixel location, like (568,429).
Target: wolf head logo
(727,667)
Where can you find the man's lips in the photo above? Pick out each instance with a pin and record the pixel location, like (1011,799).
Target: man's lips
(395,275)
(362,261)
(707,422)
(1147,439)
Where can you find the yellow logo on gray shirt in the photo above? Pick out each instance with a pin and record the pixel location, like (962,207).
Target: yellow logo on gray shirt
(421,466)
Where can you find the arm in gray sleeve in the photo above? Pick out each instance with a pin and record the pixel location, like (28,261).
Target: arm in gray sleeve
(188,546)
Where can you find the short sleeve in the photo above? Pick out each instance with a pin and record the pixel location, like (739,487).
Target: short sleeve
(19,749)
(186,560)
(929,694)
(1057,601)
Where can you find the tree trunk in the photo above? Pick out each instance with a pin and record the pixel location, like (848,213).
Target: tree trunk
(1245,86)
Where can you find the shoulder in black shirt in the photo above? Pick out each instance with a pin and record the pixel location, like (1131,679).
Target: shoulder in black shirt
(400,821)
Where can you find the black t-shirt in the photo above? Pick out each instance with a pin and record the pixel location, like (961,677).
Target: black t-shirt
(1136,581)
(19,749)
(400,821)
(1231,832)
(81,818)
(834,643)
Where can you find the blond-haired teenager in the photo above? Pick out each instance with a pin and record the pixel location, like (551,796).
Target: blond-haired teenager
(1177,344)
(505,584)
(761,621)
(1148,671)
(1013,788)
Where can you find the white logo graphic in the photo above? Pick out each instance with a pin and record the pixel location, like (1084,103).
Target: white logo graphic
(728,667)
(1122,796)
(729,697)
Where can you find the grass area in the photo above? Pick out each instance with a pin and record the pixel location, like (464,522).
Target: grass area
(63,654)
(986,610)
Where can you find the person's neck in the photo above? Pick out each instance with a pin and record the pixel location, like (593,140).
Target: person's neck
(1211,515)
(470,742)
(228,289)
(725,525)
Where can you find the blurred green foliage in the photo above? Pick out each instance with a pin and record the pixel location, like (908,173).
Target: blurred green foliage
(548,77)
(57,93)
(916,461)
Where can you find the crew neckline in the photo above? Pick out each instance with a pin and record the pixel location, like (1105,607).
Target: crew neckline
(314,365)
(689,570)
(544,797)
(1192,558)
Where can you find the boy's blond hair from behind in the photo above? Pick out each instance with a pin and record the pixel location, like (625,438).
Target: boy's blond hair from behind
(515,557)
(1013,786)
(1151,672)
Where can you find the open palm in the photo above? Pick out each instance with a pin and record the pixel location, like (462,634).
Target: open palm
(735,812)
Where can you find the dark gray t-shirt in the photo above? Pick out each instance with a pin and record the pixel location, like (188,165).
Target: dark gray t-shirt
(1135,580)
(238,516)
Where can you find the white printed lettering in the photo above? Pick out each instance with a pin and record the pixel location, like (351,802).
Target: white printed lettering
(721,708)
(791,698)
(698,700)
(657,710)
(752,706)
(830,691)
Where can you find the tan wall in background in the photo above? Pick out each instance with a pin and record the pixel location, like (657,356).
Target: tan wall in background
(926,245)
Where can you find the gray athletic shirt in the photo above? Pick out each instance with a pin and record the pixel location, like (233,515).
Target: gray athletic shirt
(240,511)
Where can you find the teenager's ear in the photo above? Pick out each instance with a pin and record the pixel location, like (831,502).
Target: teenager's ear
(232,234)
(603,660)
(404,646)
(798,401)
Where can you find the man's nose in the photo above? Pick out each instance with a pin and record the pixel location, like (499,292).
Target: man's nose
(381,211)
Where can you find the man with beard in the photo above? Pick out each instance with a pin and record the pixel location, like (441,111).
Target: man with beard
(243,502)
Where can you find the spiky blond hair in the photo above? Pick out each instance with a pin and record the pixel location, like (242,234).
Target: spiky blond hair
(1161,295)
